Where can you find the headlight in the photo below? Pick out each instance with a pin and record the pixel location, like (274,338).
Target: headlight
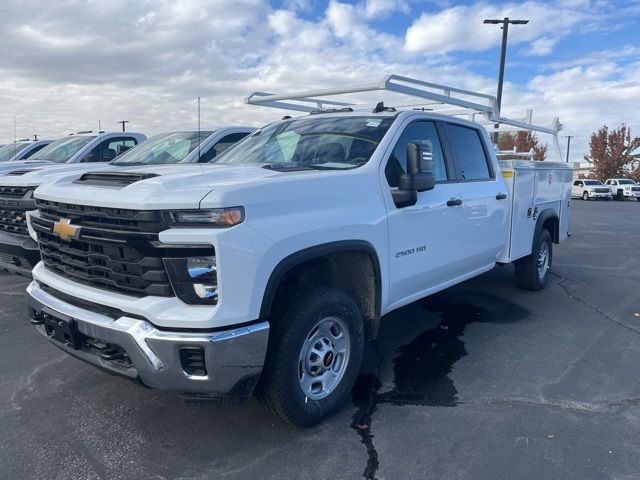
(214,217)
(194,279)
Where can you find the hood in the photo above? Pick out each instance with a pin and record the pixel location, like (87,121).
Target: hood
(8,167)
(152,186)
(34,175)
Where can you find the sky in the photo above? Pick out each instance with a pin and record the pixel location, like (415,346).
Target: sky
(65,66)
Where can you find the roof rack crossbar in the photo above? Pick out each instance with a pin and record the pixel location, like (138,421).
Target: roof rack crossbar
(473,104)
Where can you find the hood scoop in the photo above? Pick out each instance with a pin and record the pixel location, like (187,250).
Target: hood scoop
(110,179)
(22,172)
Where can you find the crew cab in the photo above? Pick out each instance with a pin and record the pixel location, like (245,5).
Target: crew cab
(272,266)
(21,149)
(19,253)
(623,188)
(588,189)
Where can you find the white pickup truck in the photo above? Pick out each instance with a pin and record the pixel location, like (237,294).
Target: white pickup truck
(272,266)
(623,188)
(19,253)
(588,189)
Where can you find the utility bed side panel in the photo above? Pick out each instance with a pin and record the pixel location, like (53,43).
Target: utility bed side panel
(533,187)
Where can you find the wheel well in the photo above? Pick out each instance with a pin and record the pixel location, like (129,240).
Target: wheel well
(552,224)
(355,272)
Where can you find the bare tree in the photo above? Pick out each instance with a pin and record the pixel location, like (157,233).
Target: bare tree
(523,141)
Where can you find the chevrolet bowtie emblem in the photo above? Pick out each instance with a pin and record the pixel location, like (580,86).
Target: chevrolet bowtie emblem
(65,229)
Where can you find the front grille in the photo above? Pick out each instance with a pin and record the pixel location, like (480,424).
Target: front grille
(635,189)
(601,190)
(13,221)
(14,192)
(13,208)
(115,249)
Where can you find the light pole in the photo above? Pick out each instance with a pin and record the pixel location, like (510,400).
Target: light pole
(503,54)
(568,137)
(123,122)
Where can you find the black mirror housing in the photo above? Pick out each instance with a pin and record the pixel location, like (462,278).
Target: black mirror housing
(419,176)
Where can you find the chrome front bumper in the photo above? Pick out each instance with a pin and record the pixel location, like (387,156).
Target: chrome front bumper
(233,358)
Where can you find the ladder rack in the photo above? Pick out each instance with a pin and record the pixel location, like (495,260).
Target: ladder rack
(477,107)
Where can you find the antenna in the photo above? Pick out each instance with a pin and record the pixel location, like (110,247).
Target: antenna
(99,141)
(198,129)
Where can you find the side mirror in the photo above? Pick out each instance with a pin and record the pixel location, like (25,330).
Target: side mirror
(419,176)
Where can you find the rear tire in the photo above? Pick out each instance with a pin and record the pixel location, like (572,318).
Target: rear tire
(585,195)
(532,271)
(314,355)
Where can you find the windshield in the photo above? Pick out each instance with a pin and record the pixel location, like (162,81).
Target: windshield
(163,148)
(9,151)
(592,182)
(311,142)
(626,182)
(62,150)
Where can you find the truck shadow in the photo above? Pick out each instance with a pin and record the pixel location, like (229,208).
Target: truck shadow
(423,362)
(421,367)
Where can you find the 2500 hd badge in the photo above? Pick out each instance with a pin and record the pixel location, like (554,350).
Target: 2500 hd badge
(411,251)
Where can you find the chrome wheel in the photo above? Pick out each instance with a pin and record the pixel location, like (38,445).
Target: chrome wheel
(543,260)
(324,358)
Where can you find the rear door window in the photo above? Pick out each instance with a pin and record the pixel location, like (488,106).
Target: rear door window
(468,152)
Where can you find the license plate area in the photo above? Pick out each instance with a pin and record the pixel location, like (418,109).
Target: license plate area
(61,328)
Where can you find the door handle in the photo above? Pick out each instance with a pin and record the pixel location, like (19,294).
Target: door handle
(453,202)
(501,196)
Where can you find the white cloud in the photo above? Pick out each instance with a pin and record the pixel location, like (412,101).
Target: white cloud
(147,61)
(461,27)
(541,47)
(383,8)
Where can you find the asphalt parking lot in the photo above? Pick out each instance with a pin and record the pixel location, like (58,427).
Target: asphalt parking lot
(482,381)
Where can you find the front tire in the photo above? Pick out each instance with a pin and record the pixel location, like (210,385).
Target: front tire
(585,195)
(314,355)
(532,271)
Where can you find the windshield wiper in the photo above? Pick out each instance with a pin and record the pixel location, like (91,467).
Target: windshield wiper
(288,167)
(297,167)
(128,164)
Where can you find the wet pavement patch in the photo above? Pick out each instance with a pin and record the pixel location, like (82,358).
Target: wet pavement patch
(421,367)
